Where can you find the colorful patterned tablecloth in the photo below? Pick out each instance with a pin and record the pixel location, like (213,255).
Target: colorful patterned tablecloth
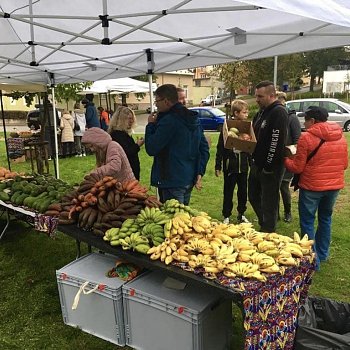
(40,222)
(271,307)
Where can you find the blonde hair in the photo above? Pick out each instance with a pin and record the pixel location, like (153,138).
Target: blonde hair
(119,120)
(238,105)
(281,95)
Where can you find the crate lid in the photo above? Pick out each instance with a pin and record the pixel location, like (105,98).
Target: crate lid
(93,268)
(191,296)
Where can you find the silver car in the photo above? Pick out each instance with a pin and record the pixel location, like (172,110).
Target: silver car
(338,111)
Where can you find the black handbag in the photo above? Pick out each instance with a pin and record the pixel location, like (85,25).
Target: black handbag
(296,177)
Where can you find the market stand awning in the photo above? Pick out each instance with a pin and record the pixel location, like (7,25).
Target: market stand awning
(49,41)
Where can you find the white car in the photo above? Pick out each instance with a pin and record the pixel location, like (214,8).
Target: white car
(338,111)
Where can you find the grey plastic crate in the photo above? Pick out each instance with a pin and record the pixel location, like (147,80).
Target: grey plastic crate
(158,317)
(101,312)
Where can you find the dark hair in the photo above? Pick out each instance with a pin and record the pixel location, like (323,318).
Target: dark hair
(100,108)
(264,83)
(167,91)
(85,101)
(180,89)
(320,114)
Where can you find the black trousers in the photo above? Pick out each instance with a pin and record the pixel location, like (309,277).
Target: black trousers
(263,194)
(230,182)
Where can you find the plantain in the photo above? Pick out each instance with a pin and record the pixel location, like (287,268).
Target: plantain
(102,205)
(110,199)
(92,218)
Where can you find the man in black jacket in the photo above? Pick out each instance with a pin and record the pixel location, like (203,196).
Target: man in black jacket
(270,127)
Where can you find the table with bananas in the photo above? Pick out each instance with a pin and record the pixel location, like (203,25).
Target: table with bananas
(266,274)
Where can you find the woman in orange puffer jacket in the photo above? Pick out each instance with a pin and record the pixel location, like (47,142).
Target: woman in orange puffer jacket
(321,177)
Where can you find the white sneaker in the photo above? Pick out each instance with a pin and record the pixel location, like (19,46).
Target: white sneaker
(242,219)
(226,221)
(84,155)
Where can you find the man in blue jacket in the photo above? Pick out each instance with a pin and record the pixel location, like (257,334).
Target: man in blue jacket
(90,113)
(176,140)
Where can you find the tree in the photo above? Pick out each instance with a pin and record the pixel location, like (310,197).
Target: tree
(316,62)
(233,75)
(69,92)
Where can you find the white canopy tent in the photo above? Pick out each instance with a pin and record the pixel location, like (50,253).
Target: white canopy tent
(48,42)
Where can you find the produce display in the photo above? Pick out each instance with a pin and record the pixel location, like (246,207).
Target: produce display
(103,203)
(36,192)
(7,174)
(175,233)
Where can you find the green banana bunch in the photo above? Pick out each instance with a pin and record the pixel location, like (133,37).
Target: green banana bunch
(111,234)
(151,215)
(134,240)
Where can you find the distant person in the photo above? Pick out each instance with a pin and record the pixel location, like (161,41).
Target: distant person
(91,117)
(235,166)
(293,134)
(266,172)
(321,177)
(176,140)
(181,94)
(67,134)
(104,118)
(121,128)
(111,159)
(79,129)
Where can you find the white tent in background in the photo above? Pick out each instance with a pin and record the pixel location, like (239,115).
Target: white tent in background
(121,85)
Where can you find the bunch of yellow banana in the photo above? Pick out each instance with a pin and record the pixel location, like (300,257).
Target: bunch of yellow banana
(135,242)
(294,249)
(180,224)
(254,236)
(266,245)
(241,269)
(201,260)
(163,251)
(198,246)
(305,242)
(277,238)
(201,224)
(285,260)
(148,215)
(263,260)
(232,231)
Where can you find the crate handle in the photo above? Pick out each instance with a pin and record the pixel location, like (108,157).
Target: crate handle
(82,289)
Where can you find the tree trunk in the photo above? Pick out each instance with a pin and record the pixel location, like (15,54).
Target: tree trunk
(312,81)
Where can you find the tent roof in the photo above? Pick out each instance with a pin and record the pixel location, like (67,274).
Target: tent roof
(68,41)
(121,85)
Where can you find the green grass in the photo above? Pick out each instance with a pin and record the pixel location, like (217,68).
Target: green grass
(29,302)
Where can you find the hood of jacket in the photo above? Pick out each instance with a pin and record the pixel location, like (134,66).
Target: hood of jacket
(66,116)
(328,131)
(185,116)
(97,137)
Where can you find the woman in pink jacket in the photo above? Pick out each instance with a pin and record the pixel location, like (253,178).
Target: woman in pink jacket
(111,159)
(321,177)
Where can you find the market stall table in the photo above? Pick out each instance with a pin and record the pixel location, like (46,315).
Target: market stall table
(40,222)
(269,309)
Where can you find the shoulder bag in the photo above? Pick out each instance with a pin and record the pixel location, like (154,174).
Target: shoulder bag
(295,180)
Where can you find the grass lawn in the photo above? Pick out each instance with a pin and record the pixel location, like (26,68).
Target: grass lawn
(29,304)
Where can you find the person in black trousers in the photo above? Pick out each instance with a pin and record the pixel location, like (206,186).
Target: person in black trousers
(266,172)
(293,134)
(121,128)
(235,166)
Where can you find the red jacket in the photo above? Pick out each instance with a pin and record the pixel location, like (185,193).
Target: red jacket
(325,171)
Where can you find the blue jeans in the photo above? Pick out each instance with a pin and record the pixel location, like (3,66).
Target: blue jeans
(322,202)
(182,194)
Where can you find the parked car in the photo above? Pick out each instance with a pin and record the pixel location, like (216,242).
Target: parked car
(338,111)
(208,101)
(211,118)
(33,119)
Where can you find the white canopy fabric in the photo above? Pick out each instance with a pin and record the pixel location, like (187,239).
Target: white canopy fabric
(119,86)
(50,41)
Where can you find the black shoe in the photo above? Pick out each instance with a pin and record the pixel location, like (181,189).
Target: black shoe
(287,217)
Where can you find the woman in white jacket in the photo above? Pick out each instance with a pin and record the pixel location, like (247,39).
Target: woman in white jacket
(79,129)
(67,134)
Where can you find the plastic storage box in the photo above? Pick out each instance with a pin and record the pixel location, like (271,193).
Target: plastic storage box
(179,317)
(101,312)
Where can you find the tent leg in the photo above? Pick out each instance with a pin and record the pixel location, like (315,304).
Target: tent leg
(4,126)
(55,133)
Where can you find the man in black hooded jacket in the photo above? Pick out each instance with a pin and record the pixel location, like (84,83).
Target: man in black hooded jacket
(270,127)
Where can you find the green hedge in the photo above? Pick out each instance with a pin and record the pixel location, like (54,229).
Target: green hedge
(15,114)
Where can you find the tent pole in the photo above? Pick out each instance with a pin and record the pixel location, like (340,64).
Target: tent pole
(275,71)
(4,126)
(150,92)
(55,133)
